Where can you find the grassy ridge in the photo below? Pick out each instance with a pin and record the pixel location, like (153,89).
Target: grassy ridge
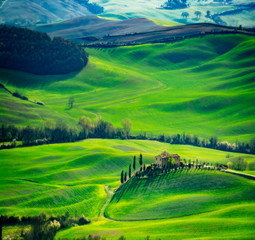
(217,225)
(200,86)
(177,194)
(59,177)
(56,177)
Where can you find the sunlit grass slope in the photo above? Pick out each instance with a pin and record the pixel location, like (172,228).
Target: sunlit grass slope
(59,177)
(179,194)
(72,177)
(233,222)
(200,86)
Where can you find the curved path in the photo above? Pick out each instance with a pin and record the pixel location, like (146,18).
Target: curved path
(110,194)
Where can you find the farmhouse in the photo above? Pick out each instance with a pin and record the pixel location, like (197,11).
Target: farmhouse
(161,161)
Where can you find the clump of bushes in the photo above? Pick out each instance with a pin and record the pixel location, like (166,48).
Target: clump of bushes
(43,227)
(238,164)
(40,103)
(83,220)
(19,95)
(12,144)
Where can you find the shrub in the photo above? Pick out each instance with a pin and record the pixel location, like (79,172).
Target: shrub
(83,220)
(251,166)
(19,95)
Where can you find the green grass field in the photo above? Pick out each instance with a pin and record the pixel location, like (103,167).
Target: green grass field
(178,194)
(72,177)
(229,223)
(198,86)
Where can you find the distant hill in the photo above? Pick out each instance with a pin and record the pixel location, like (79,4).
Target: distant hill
(201,86)
(32,12)
(99,27)
(34,52)
(96,31)
(168,34)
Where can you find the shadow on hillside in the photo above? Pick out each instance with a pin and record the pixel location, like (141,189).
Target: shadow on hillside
(23,79)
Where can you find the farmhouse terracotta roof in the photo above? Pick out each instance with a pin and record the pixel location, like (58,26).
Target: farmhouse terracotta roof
(167,155)
(176,155)
(163,156)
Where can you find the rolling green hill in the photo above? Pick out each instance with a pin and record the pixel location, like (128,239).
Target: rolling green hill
(198,86)
(72,177)
(178,194)
(59,177)
(233,222)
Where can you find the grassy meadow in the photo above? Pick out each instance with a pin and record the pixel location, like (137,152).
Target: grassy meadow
(229,223)
(72,177)
(198,86)
(178,194)
(203,86)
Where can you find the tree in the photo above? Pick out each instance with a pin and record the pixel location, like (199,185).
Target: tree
(189,163)
(213,142)
(71,102)
(3,133)
(239,164)
(83,220)
(85,121)
(1,227)
(49,123)
(134,162)
(28,135)
(125,177)
(185,15)
(141,159)
(129,171)
(198,14)
(122,177)
(175,4)
(208,14)
(67,214)
(86,125)
(127,126)
(171,161)
(165,153)
(181,164)
(252,146)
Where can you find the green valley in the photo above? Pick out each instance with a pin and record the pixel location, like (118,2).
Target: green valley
(146,133)
(198,86)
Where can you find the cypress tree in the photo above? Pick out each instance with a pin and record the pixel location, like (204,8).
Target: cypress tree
(125,177)
(141,159)
(129,172)
(121,178)
(134,163)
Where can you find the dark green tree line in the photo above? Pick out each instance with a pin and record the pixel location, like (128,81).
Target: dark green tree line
(35,52)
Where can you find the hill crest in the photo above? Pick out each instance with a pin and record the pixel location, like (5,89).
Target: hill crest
(31,12)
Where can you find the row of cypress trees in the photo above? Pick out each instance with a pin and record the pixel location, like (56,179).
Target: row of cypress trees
(123,176)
